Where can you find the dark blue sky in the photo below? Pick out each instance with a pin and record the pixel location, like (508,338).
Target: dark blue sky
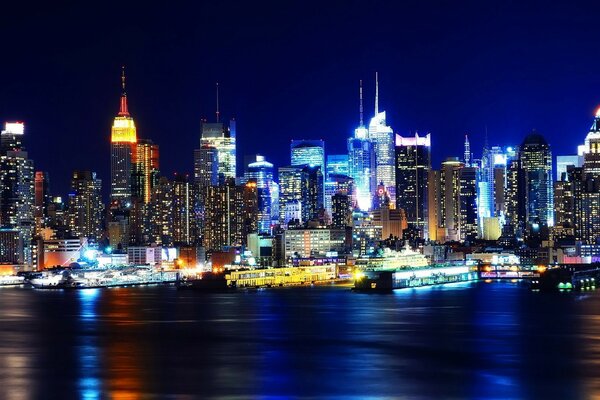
(291,70)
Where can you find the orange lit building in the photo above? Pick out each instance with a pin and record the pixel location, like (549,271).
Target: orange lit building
(145,169)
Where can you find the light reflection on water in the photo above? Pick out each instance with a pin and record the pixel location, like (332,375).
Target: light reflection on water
(480,341)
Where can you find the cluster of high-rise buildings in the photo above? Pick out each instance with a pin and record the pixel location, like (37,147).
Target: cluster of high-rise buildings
(382,191)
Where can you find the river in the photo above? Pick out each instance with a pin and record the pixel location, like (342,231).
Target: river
(471,340)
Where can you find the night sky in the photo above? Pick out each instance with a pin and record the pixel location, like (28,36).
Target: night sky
(291,70)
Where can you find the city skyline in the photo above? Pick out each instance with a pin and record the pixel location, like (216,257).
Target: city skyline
(445,92)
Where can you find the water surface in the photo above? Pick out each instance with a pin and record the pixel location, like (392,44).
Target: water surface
(474,340)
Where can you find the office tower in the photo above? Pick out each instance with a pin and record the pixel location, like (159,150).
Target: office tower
(335,184)
(413,162)
(290,194)
(564,212)
(122,151)
(85,206)
(206,166)
(11,246)
(341,210)
(308,152)
(11,137)
(231,214)
(492,182)
(515,203)
(160,217)
(312,192)
(382,136)
(145,169)
(392,221)
(17,194)
(468,203)
(183,230)
(535,158)
(361,162)
(434,217)
(337,164)
(223,139)
(42,200)
(452,202)
(261,171)
(361,168)
(301,190)
(586,201)
(591,148)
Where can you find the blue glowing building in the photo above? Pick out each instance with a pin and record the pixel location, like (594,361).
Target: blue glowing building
(361,163)
(267,190)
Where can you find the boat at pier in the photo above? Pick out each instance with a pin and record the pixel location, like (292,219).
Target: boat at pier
(98,278)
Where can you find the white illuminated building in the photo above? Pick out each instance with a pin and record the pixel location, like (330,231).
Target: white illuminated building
(382,136)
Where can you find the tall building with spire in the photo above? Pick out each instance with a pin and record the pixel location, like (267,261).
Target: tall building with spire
(223,139)
(122,150)
(382,136)
(361,162)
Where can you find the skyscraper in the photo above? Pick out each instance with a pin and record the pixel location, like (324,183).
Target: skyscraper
(145,170)
(206,166)
(182,211)
(452,198)
(535,159)
(160,217)
(85,206)
(492,181)
(222,138)
(261,171)
(42,199)
(122,151)
(17,187)
(413,162)
(308,152)
(301,191)
(231,214)
(337,184)
(382,136)
(361,162)
(290,194)
(468,203)
(341,210)
(591,148)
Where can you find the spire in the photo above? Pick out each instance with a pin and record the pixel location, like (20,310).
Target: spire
(360,107)
(376,93)
(467,152)
(123,111)
(485,142)
(218,102)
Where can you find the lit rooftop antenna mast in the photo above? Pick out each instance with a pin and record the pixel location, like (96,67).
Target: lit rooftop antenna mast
(123,79)
(376,93)
(218,102)
(123,110)
(360,107)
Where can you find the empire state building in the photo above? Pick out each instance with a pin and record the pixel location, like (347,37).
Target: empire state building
(122,151)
